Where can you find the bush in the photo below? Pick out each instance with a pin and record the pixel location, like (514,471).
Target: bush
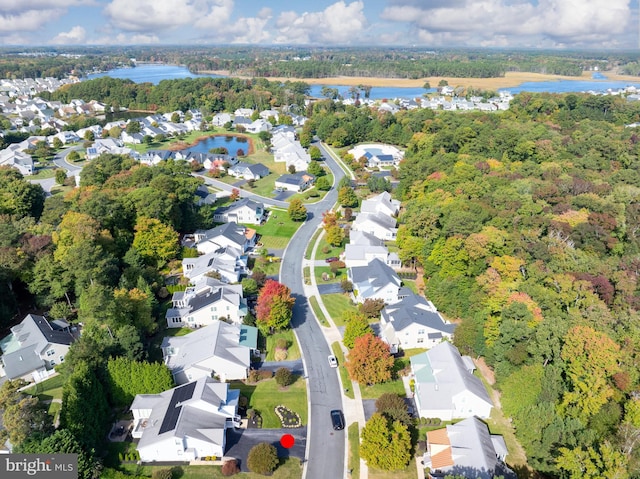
(262,458)
(281,343)
(243,401)
(258,375)
(281,354)
(230,468)
(162,474)
(284,377)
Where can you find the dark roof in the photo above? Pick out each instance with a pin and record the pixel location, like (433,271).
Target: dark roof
(52,334)
(180,394)
(415,310)
(296,178)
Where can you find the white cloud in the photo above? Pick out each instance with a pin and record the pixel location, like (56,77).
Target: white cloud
(30,20)
(513,23)
(77,35)
(339,23)
(150,15)
(19,6)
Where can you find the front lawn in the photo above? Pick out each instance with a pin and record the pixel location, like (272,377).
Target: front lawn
(354,450)
(43,173)
(289,468)
(325,250)
(377,390)
(313,301)
(337,304)
(278,230)
(266,395)
(339,276)
(410,472)
(293,351)
(49,389)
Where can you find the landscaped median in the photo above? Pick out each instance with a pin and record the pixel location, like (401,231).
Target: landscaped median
(344,375)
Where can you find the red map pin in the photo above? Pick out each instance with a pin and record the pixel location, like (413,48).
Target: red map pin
(287,441)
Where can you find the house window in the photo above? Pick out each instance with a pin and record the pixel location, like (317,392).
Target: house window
(420,331)
(420,340)
(61,359)
(176,320)
(52,363)
(213,308)
(214,317)
(51,352)
(190,319)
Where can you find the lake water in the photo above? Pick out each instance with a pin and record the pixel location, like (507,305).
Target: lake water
(154,73)
(231,143)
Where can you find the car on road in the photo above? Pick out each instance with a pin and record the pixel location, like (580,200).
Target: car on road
(333,362)
(331,259)
(337,419)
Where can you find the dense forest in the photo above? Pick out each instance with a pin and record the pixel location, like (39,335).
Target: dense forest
(527,227)
(308,62)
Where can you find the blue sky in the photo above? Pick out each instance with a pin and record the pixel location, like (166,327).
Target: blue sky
(602,24)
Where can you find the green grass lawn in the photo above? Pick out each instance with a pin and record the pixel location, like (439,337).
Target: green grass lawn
(266,395)
(344,375)
(49,389)
(337,304)
(339,276)
(293,351)
(314,238)
(278,230)
(58,189)
(410,472)
(354,450)
(411,284)
(287,469)
(317,311)
(325,250)
(43,173)
(377,390)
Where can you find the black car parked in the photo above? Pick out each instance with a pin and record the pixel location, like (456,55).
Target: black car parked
(337,419)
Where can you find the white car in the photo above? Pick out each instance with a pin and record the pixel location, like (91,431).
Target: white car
(333,362)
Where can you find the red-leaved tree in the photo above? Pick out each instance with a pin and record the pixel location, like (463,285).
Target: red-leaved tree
(370,361)
(275,306)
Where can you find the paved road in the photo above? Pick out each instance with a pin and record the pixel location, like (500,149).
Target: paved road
(60,160)
(326,447)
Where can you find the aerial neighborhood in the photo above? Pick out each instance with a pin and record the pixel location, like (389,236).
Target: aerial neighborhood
(219,275)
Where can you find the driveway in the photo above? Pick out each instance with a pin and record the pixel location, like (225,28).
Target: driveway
(329,288)
(240,442)
(369,406)
(295,366)
(282,195)
(240,184)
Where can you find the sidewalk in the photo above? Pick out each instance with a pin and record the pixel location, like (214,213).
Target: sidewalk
(353,410)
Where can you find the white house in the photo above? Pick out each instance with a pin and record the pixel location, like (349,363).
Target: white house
(376,281)
(219,350)
(298,181)
(445,386)
(229,262)
(245,210)
(259,125)
(228,234)
(378,155)
(248,171)
(379,225)
(413,323)
(14,156)
(185,423)
(220,119)
(33,348)
(287,149)
(382,203)
(466,449)
(206,301)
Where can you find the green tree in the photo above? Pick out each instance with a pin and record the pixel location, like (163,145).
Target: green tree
(393,407)
(133,127)
(57,143)
(593,463)
(128,378)
(347,197)
(262,458)
(61,176)
(323,183)
(284,377)
(357,325)
(18,197)
(155,241)
(315,153)
(315,169)
(297,211)
(25,418)
(369,361)
(385,444)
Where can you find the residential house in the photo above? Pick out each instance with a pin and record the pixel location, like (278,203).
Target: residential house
(445,386)
(107,145)
(379,225)
(33,348)
(220,119)
(266,114)
(153,157)
(185,423)
(205,302)
(248,171)
(246,112)
(245,210)
(376,281)
(227,261)
(413,323)
(228,234)
(15,156)
(362,255)
(382,203)
(298,181)
(219,350)
(67,137)
(287,149)
(378,155)
(134,138)
(466,449)
(259,125)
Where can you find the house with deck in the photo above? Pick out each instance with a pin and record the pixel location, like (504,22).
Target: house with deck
(376,281)
(245,210)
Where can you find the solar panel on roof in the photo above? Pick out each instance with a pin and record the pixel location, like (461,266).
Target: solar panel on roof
(180,394)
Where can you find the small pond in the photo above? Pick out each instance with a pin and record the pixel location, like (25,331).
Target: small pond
(231,143)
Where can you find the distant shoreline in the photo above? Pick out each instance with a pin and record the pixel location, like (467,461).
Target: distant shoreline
(510,80)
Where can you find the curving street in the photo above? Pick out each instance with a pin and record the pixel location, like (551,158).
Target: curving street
(325,447)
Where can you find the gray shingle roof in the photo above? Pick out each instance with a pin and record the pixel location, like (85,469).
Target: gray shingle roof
(414,309)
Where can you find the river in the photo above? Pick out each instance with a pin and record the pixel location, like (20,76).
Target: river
(155,73)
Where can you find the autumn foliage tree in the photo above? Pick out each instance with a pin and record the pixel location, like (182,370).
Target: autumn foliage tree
(386,444)
(275,306)
(370,361)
